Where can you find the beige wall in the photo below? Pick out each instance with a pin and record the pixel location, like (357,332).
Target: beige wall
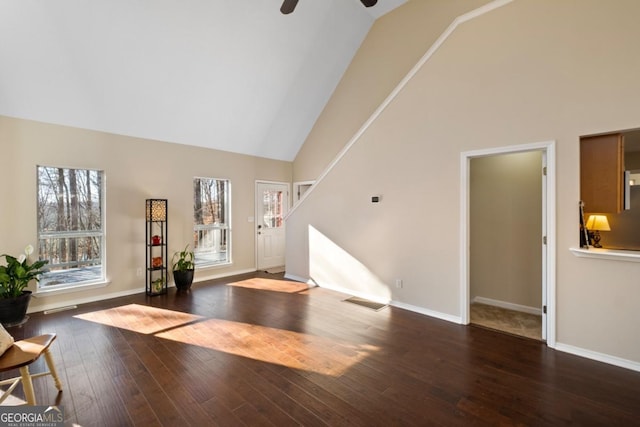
(531,71)
(505,211)
(9,194)
(391,49)
(135,169)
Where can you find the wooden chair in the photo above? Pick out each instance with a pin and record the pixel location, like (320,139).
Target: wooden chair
(22,354)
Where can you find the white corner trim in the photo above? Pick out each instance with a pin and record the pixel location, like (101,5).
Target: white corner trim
(436,45)
(600,357)
(299,279)
(609,254)
(508,305)
(464,236)
(427,312)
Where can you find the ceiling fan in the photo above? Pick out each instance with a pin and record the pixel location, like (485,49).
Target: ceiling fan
(289,5)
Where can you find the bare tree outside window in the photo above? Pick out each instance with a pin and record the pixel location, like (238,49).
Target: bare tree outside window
(70,226)
(211,213)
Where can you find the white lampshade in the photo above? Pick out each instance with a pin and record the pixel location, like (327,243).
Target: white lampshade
(598,223)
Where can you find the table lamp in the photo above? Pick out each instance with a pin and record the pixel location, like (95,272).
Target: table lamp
(596,224)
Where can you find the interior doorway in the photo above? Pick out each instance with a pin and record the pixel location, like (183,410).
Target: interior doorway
(272,205)
(299,188)
(507,239)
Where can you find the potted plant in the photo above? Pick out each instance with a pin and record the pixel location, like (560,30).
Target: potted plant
(14,278)
(157,285)
(183,267)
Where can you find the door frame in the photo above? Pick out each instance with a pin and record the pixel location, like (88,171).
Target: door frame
(548,224)
(255,211)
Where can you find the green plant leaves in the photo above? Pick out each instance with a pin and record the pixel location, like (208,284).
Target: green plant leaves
(183,260)
(16,275)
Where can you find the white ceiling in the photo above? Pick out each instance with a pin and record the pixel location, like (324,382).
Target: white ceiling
(225,74)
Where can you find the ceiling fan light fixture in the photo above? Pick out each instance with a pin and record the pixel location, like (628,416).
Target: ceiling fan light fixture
(288,6)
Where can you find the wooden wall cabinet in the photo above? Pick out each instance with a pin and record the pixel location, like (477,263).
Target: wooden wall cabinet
(602,173)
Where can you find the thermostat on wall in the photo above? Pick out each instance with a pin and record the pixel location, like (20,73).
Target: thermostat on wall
(375,199)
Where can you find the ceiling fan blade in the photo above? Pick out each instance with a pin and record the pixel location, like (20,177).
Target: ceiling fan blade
(369,3)
(288,6)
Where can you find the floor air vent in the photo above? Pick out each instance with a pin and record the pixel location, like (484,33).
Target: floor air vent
(366,303)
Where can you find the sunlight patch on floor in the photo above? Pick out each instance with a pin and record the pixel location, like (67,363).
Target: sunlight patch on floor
(139,318)
(327,356)
(272,345)
(271,285)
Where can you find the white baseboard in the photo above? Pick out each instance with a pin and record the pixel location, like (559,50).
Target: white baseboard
(298,279)
(593,355)
(507,305)
(409,307)
(427,312)
(221,275)
(79,301)
(600,357)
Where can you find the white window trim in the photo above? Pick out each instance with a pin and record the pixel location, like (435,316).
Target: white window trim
(85,285)
(66,289)
(228,227)
(608,254)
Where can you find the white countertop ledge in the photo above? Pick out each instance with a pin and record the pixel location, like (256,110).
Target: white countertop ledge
(610,254)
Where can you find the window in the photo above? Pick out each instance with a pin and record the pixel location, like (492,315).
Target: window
(212,221)
(70,226)
(608,165)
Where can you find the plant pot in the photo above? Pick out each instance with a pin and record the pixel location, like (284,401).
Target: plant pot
(183,279)
(14,310)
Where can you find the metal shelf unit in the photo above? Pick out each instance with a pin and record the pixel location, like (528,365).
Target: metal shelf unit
(156,271)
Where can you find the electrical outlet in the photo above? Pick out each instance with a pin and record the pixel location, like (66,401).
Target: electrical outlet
(139,272)
(398,283)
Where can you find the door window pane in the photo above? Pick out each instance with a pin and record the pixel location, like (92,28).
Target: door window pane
(272,209)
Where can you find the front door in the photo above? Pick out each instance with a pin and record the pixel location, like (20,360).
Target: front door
(272,204)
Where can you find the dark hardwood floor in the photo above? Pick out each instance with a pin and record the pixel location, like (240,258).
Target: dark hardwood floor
(225,355)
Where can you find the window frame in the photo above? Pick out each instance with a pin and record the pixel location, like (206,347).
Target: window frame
(213,227)
(42,287)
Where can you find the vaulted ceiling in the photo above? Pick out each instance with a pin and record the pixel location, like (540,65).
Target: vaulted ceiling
(233,75)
